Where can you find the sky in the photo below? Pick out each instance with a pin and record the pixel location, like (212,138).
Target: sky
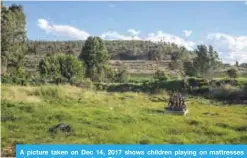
(221,24)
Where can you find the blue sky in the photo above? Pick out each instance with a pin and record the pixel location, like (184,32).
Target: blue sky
(222,24)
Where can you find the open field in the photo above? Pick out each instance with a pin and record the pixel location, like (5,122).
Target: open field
(118,118)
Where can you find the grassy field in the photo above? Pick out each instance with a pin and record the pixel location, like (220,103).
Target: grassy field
(118,118)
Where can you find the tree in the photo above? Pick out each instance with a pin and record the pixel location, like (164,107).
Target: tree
(189,68)
(237,64)
(206,60)
(95,57)
(232,73)
(60,66)
(70,67)
(175,60)
(13,36)
(49,67)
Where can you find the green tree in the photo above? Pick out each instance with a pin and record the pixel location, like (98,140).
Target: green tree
(206,61)
(70,67)
(20,76)
(13,36)
(189,68)
(49,68)
(95,57)
(232,73)
(60,66)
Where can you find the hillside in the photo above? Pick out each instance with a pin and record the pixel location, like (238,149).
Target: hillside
(137,57)
(119,49)
(31,63)
(116,118)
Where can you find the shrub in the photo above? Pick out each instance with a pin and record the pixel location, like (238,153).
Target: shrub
(110,74)
(61,66)
(204,90)
(18,77)
(160,75)
(197,82)
(227,92)
(6,79)
(122,76)
(232,73)
(85,83)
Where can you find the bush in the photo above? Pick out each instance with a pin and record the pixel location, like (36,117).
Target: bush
(197,82)
(6,79)
(122,76)
(173,85)
(126,87)
(110,74)
(61,66)
(85,83)
(18,77)
(204,91)
(232,73)
(228,92)
(160,75)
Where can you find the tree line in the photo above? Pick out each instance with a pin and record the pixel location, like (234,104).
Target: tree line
(118,49)
(73,60)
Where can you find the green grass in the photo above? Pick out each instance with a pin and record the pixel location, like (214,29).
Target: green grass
(140,77)
(114,118)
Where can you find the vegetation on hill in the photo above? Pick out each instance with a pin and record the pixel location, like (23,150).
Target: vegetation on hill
(118,49)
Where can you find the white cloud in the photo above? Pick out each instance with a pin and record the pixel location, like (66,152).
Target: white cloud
(113,35)
(62,30)
(187,33)
(159,36)
(165,37)
(232,48)
(134,32)
(43,24)
(245,3)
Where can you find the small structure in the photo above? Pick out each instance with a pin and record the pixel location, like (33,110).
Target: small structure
(177,104)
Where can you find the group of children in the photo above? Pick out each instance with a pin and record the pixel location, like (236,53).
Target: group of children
(177,102)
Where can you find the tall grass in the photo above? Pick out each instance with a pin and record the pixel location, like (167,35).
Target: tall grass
(113,118)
